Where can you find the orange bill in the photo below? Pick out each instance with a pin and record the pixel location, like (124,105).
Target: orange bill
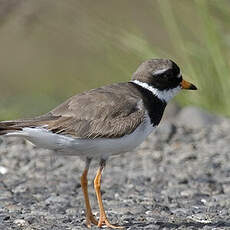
(187,85)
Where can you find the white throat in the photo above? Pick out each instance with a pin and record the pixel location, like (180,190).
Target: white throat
(164,95)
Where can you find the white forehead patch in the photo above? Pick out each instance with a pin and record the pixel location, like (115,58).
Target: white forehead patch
(163,95)
(159,71)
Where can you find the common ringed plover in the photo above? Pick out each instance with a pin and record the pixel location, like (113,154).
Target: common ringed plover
(106,121)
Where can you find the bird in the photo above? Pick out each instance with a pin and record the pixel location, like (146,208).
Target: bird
(105,121)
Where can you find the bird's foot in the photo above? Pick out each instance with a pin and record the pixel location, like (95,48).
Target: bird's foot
(90,219)
(104,221)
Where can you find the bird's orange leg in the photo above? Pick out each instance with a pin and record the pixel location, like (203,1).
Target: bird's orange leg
(97,184)
(84,184)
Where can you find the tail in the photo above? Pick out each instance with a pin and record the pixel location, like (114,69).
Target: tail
(8,127)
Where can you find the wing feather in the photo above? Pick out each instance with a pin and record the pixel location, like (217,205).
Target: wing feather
(103,112)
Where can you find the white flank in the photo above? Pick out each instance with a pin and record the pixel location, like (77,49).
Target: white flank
(95,148)
(164,95)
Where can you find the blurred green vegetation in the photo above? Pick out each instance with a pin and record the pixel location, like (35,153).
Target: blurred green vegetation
(53,49)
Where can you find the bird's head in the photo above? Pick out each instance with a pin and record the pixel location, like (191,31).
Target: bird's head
(162,77)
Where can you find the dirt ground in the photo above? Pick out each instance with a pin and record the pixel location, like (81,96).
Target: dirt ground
(179,178)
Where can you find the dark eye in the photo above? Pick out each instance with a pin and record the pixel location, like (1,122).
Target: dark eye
(170,76)
(167,76)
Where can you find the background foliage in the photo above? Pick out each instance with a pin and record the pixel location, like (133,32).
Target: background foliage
(53,49)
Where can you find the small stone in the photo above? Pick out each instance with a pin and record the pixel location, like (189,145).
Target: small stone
(13,208)
(201,218)
(3,170)
(116,196)
(20,222)
(55,199)
(20,189)
(187,193)
(149,213)
(71,211)
(203,201)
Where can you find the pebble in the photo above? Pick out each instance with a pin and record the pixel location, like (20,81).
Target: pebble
(20,222)
(3,170)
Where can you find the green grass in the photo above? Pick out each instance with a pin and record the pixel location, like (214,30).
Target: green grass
(206,59)
(202,50)
(48,55)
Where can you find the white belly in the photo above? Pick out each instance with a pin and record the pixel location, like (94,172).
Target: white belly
(95,148)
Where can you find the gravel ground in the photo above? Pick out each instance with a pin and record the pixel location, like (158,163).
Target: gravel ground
(178,179)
